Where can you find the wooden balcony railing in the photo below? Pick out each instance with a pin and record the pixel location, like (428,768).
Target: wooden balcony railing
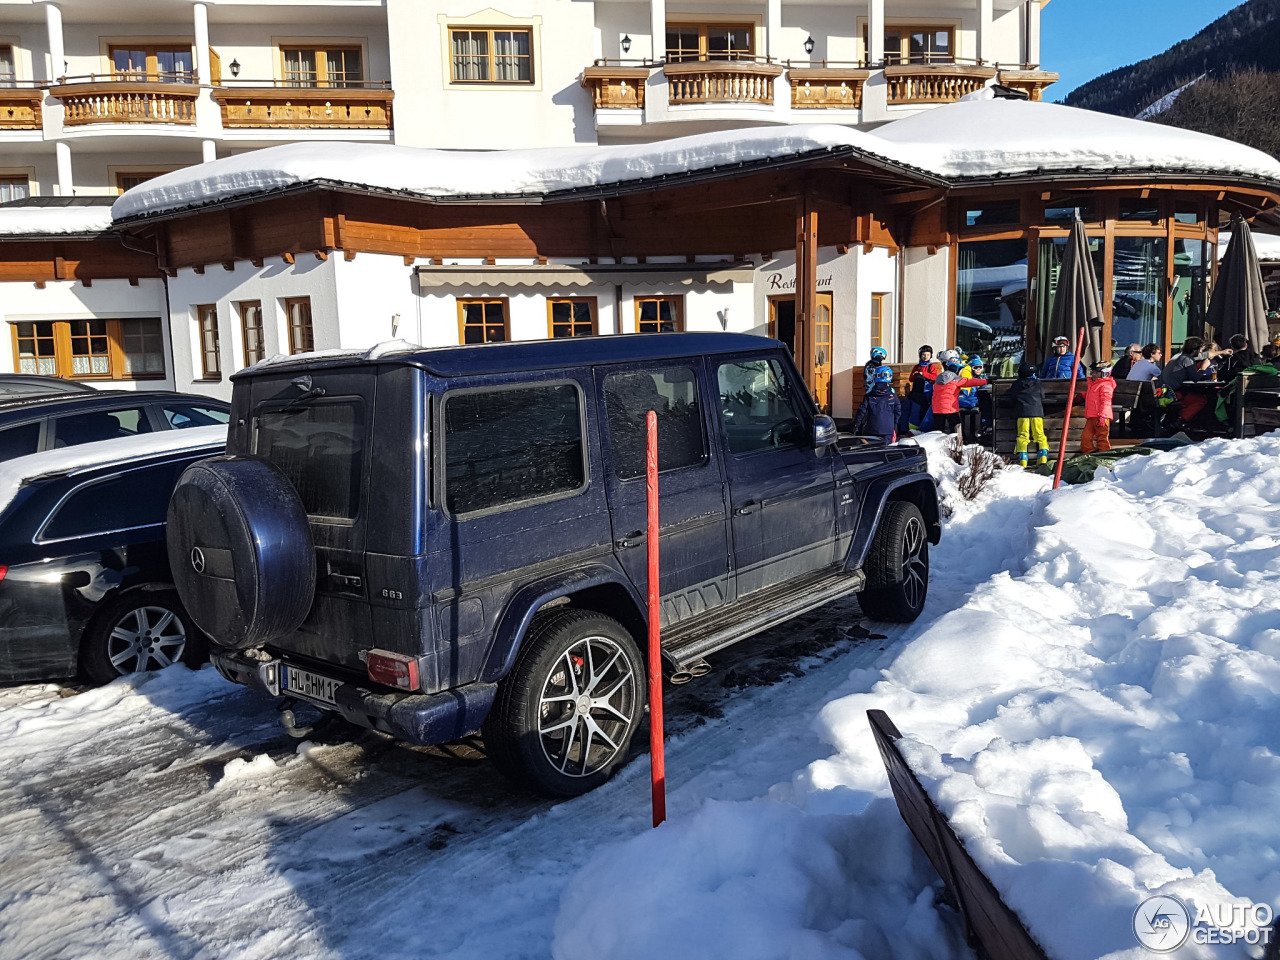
(1033,82)
(827,87)
(935,83)
(721,81)
(364,105)
(125,100)
(20,107)
(616,87)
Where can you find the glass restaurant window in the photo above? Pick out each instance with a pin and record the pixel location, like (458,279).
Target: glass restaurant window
(991,298)
(1137,295)
(1191,268)
(1051,254)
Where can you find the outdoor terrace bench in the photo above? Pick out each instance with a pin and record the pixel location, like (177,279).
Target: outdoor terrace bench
(1260,409)
(1131,396)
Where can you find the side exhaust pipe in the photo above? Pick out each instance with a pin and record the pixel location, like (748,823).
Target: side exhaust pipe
(699,668)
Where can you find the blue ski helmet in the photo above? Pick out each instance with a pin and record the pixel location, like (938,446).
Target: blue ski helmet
(879,354)
(883,374)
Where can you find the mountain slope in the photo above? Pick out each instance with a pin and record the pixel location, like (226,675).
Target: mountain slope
(1247,37)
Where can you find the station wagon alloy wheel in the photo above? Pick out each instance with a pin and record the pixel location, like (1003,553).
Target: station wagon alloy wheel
(587,706)
(146,638)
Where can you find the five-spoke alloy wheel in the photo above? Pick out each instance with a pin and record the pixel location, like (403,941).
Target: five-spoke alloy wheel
(897,565)
(565,714)
(140,631)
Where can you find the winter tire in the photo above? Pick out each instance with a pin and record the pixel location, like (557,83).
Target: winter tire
(241,551)
(140,631)
(897,566)
(565,715)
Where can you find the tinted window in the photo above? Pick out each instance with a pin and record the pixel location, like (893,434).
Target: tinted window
(506,446)
(182,415)
(136,498)
(758,412)
(319,447)
(19,441)
(672,393)
(100,425)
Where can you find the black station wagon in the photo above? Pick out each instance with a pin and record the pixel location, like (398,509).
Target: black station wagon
(34,423)
(432,542)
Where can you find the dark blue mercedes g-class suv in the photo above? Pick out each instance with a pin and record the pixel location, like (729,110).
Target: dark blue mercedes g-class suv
(434,542)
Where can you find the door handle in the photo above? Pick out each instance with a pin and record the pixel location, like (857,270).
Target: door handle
(632,539)
(751,506)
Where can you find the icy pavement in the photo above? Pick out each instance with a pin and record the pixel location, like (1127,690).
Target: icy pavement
(1093,695)
(169,816)
(1093,698)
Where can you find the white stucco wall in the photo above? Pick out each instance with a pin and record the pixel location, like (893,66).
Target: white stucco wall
(72,300)
(926,297)
(271,283)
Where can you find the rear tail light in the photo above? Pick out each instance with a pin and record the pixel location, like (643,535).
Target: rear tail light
(3,571)
(393,669)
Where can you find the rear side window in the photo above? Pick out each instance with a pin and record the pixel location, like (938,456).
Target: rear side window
(19,441)
(671,392)
(97,425)
(320,448)
(507,446)
(180,415)
(136,498)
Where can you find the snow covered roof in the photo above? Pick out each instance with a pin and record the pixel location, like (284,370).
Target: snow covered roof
(517,174)
(987,138)
(14,473)
(956,143)
(34,218)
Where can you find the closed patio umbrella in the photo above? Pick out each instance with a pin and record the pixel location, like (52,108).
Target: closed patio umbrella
(1239,304)
(1076,302)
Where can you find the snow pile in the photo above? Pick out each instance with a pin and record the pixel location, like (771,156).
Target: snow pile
(15,472)
(1092,698)
(20,221)
(977,138)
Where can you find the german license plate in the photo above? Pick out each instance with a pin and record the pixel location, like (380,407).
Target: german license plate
(310,685)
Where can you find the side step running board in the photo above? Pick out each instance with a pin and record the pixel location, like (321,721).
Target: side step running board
(690,642)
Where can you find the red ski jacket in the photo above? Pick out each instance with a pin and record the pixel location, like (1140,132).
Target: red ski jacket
(1097,398)
(946,391)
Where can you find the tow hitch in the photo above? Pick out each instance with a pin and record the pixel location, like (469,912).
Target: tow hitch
(290,722)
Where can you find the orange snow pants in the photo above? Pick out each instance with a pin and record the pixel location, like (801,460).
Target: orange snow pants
(1096,436)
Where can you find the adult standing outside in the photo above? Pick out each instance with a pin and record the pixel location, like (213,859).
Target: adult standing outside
(1147,367)
(1122,366)
(1060,361)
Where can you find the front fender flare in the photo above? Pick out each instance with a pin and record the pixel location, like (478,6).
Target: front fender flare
(922,490)
(513,626)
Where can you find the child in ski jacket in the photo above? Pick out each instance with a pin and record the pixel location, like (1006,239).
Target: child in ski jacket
(1027,398)
(946,396)
(878,415)
(1097,410)
(917,413)
(878,356)
(1060,361)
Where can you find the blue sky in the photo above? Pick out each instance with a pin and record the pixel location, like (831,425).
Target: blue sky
(1082,39)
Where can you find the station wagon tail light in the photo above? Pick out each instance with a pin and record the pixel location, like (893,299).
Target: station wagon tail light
(393,669)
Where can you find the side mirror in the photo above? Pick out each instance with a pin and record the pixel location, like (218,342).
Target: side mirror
(824,431)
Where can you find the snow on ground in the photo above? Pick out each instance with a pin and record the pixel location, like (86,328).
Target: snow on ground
(1091,695)
(1092,698)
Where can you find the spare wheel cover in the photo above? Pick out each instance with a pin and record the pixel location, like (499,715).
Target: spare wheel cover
(241,551)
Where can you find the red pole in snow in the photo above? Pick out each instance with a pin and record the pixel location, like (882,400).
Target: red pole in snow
(657,762)
(1066,423)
